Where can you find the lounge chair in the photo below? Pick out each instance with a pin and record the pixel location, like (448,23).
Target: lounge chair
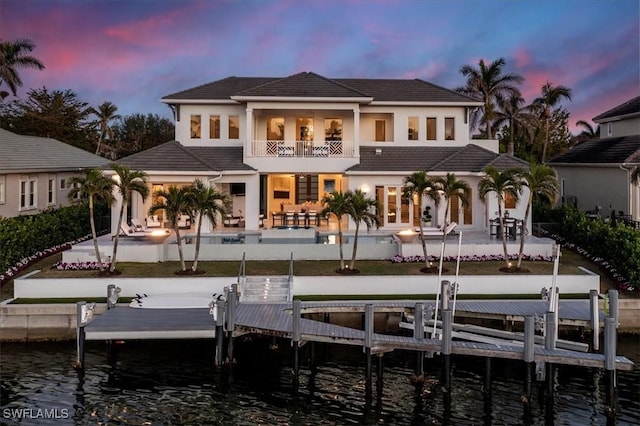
(137,225)
(153,221)
(147,234)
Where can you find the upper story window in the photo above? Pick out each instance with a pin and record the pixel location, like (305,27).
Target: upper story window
(381,131)
(509,201)
(2,189)
(214,127)
(196,126)
(305,129)
(333,129)
(234,127)
(275,128)
(28,195)
(431,128)
(51,191)
(413,129)
(449,128)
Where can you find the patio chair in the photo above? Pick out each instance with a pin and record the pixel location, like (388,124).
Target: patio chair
(137,226)
(290,218)
(184,221)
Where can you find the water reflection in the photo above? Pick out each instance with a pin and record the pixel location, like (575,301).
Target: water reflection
(176,382)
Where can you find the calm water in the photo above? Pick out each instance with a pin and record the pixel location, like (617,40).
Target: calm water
(175,383)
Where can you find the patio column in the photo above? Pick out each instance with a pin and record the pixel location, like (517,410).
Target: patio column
(252,202)
(356,132)
(248,146)
(115,211)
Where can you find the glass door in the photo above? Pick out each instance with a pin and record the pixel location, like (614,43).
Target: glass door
(398,209)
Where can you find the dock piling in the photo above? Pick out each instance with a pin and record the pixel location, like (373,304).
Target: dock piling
(368,343)
(613,306)
(594,314)
(610,336)
(529,343)
(447,332)
(219,307)
(81,313)
(418,333)
(111,289)
(231,322)
(295,337)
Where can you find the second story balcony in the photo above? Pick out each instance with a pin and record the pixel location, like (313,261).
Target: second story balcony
(303,148)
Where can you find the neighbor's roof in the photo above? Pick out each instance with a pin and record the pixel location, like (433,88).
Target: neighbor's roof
(31,154)
(312,85)
(626,109)
(469,158)
(173,156)
(616,150)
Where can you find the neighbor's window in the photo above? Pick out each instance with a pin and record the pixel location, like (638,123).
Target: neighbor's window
(431,128)
(28,192)
(609,129)
(275,129)
(381,131)
(196,123)
(333,129)
(63,183)
(234,127)
(51,191)
(214,127)
(2,189)
(413,129)
(449,128)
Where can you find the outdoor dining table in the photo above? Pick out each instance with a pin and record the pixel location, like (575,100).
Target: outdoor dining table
(509,227)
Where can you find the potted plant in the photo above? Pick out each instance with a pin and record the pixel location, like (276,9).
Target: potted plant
(426,216)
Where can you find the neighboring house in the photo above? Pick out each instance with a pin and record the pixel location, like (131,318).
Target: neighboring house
(34,172)
(276,143)
(596,175)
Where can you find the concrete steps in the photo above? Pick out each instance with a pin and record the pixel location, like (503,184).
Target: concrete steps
(264,289)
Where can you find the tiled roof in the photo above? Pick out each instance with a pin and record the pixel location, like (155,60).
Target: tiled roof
(616,150)
(20,153)
(469,158)
(173,156)
(308,84)
(632,106)
(221,89)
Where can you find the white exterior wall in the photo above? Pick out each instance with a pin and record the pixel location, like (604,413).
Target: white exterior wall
(626,127)
(183,126)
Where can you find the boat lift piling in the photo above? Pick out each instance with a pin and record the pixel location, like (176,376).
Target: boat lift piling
(232,303)
(418,333)
(295,339)
(81,320)
(368,343)
(594,313)
(447,332)
(529,344)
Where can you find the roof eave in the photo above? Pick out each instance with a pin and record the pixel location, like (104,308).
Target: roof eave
(616,118)
(198,101)
(422,103)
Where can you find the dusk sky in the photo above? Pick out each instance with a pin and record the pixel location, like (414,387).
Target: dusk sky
(134,52)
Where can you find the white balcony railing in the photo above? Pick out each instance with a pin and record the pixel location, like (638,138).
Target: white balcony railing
(317,149)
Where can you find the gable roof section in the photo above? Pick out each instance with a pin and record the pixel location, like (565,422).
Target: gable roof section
(173,156)
(471,158)
(616,150)
(304,85)
(26,154)
(312,85)
(626,109)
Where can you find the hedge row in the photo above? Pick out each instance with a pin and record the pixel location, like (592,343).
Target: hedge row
(615,244)
(22,236)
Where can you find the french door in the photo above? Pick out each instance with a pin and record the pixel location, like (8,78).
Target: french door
(396,210)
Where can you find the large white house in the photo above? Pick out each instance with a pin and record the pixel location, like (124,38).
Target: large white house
(277,143)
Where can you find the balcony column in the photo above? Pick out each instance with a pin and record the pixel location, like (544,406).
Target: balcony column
(355,146)
(248,144)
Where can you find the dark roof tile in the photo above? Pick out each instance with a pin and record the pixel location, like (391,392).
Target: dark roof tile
(630,107)
(304,84)
(616,150)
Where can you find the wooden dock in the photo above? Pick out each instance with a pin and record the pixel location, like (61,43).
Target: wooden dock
(277,319)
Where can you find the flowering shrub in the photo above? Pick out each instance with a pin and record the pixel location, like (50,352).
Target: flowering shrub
(27,261)
(80,266)
(472,258)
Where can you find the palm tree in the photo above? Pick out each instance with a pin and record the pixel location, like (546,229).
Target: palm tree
(551,96)
(542,183)
(489,84)
(206,201)
(512,114)
(337,204)
(175,202)
(106,113)
(14,55)
(127,181)
(588,131)
(449,186)
(361,209)
(93,185)
(502,183)
(417,185)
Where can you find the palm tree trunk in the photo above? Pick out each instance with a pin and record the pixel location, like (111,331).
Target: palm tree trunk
(546,137)
(524,222)
(355,247)
(117,238)
(176,229)
(194,267)
(340,238)
(511,146)
(99,142)
(503,234)
(94,235)
(424,244)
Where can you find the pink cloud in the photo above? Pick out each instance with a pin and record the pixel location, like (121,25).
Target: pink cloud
(522,57)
